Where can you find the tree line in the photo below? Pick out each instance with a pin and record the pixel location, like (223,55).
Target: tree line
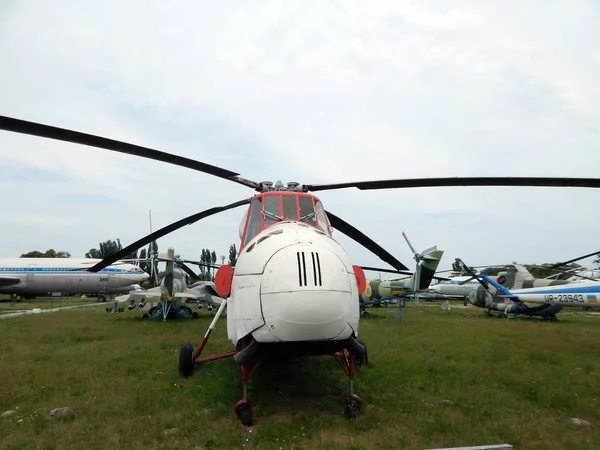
(109,247)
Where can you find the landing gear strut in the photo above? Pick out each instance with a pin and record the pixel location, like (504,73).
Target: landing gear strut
(249,354)
(353,403)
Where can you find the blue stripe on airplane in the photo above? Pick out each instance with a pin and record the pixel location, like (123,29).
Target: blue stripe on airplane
(61,270)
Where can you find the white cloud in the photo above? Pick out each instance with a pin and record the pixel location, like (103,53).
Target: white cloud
(313,92)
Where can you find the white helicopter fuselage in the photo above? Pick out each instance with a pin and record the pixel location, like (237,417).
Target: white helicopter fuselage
(578,293)
(454,288)
(293,283)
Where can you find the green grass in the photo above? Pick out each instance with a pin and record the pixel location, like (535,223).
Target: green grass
(434,380)
(8,306)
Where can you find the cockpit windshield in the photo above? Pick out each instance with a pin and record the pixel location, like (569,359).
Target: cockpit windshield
(270,208)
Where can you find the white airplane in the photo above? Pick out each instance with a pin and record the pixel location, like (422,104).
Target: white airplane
(28,277)
(294,291)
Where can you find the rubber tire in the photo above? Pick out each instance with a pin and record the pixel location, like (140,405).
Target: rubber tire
(351,408)
(186,360)
(244,414)
(359,361)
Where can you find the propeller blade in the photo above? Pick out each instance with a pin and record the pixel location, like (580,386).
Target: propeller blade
(459,181)
(163,232)
(76,137)
(573,260)
(471,271)
(412,249)
(358,236)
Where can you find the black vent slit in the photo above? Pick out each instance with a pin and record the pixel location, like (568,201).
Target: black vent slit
(304,268)
(312,254)
(319,269)
(299,269)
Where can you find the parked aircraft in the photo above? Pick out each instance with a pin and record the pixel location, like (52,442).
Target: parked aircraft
(544,301)
(294,289)
(378,291)
(516,277)
(172,293)
(30,277)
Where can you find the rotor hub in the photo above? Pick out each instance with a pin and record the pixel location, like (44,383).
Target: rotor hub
(268,186)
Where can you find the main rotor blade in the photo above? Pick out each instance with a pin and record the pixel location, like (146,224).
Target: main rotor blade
(459,181)
(474,267)
(401,272)
(573,260)
(377,269)
(76,137)
(198,263)
(163,232)
(364,240)
(193,276)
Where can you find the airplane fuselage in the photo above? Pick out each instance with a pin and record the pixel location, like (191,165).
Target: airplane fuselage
(41,276)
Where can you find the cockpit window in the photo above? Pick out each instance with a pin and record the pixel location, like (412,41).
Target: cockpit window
(271,213)
(254,220)
(289,207)
(307,210)
(323,224)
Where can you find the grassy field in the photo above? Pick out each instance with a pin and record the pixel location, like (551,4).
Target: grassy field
(435,379)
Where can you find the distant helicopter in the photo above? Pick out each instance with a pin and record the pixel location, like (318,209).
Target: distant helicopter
(543,301)
(294,290)
(380,291)
(172,293)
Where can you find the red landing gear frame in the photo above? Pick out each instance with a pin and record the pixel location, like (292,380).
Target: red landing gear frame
(188,359)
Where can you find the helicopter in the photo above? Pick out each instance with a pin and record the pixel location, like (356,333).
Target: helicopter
(388,291)
(294,290)
(172,293)
(543,301)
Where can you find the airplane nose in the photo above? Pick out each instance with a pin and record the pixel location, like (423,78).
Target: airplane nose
(306,294)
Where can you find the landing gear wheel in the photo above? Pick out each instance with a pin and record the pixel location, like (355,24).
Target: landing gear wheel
(145,316)
(102,299)
(352,406)
(194,315)
(359,360)
(243,411)
(186,360)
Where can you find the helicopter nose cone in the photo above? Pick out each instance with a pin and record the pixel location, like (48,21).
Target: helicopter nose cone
(307,295)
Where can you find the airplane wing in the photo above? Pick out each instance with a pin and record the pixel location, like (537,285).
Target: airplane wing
(9,281)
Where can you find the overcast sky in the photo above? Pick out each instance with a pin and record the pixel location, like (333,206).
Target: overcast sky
(310,92)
